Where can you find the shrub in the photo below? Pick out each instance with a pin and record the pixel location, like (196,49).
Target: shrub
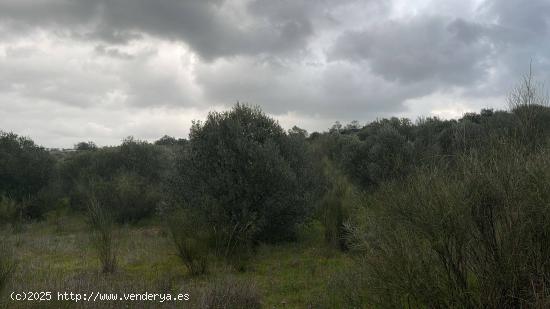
(244,168)
(58,215)
(508,198)
(25,168)
(132,198)
(384,154)
(101,223)
(11,212)
(339,204)
(128,178)
(26,174)
(529,101)
(127,197)
(192,238)
(470,236)
(231,293)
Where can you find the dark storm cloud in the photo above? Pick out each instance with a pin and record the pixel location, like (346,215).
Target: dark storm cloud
(208,26)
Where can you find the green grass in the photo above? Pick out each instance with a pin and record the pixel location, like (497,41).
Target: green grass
(294,274)
(53,259)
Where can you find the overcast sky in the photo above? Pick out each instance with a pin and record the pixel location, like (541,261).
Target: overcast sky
(100,70)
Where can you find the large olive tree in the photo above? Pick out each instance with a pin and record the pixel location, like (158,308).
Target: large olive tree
(247,176)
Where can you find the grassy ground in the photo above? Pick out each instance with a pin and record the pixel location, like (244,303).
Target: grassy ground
(56,255)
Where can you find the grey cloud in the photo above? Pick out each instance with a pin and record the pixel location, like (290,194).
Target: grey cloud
(112,52)
(466,32)
(46,13)
(110,36)
(52,79)
(337,90)
(299,11)
(206,26)
(93,76)
(520,34)
(54,125)
(156,90)
(529,17)
(418,49)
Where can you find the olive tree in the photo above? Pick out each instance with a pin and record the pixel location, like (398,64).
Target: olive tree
(252,179)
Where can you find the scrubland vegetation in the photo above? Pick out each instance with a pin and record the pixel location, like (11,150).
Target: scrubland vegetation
(393,214)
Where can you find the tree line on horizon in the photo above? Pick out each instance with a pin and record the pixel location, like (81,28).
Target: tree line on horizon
(382,150)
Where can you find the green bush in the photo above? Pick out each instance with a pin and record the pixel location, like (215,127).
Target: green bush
(127,197)
(471,236)
(192,237)
(26,172)
(103,241)
(247,174)
(128,178)
(11,211)
(25,168)
(340,204)
(380,152)
(58,216)
(529,101)
(132,198)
